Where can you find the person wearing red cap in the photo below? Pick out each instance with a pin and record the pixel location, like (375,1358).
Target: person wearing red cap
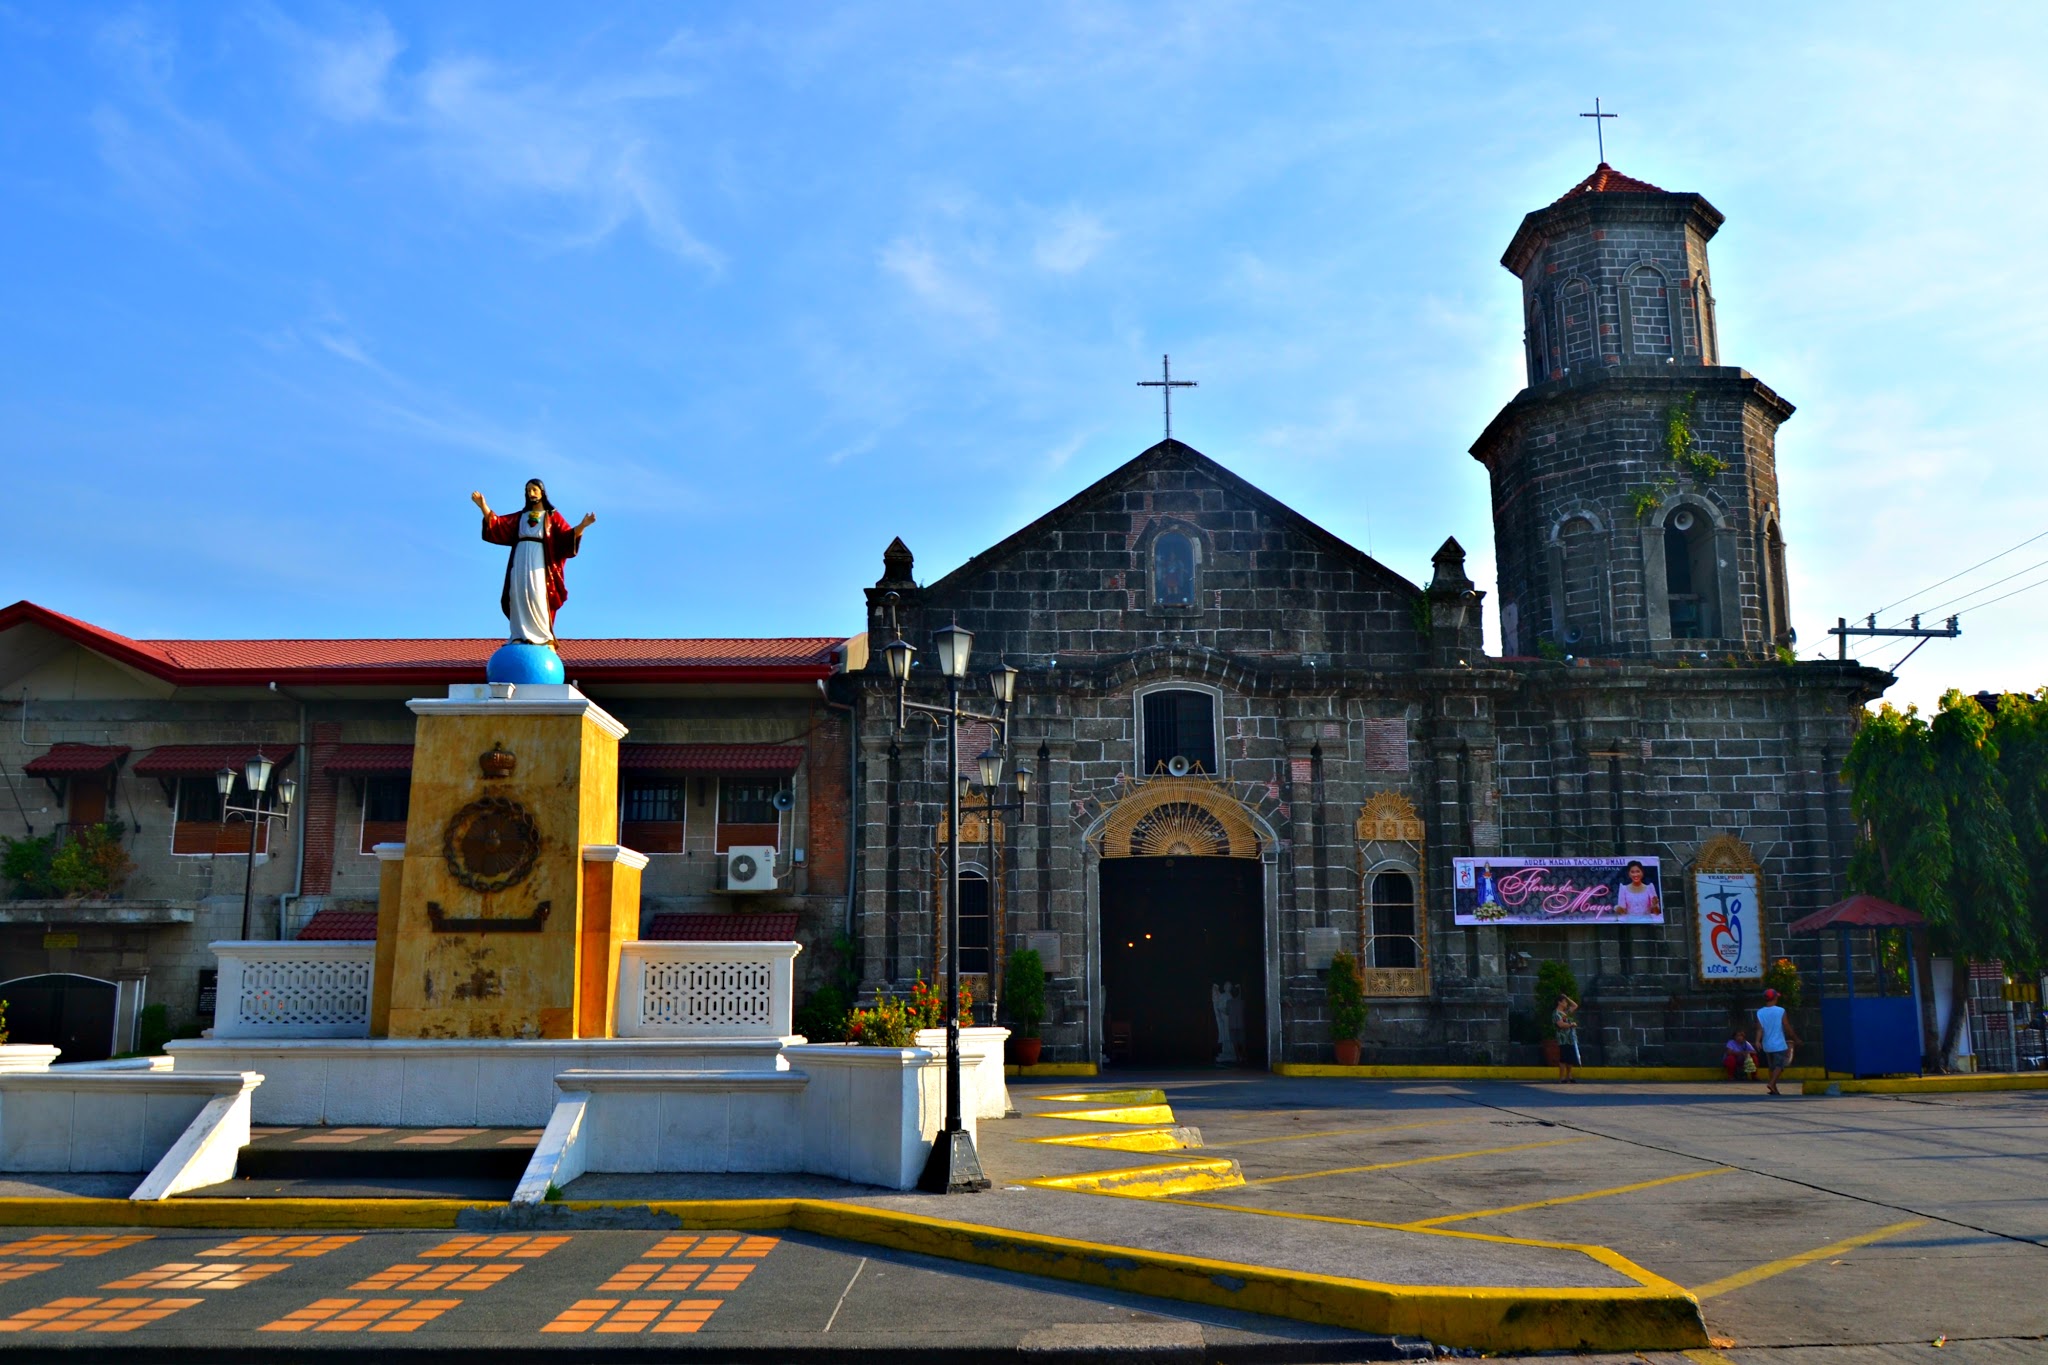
(1775,1038)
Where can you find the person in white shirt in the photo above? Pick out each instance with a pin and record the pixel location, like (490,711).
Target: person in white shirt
(1775,1038)
(1636,897)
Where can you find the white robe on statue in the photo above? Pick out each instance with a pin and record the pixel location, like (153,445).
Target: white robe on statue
(528,616)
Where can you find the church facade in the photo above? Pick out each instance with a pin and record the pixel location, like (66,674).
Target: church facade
(1253,746)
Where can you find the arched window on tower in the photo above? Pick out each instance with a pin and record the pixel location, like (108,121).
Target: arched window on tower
(1646,314)
(1703,318)
(1576,323)
(1538,339)
(1777,601)
(1394,941)
(1173,570)
(1581,585)
(1691,576)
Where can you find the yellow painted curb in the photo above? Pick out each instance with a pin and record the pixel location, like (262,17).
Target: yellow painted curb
(1654,1315)
(1930,1085)
(1152,1182)
(1692,1074)
(1053,1069)
(1143,1140)
(237,1213)
(1106,1097)
(1133,1113)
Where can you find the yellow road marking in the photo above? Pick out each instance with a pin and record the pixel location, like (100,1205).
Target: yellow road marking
(1151,1182)
(1568,1198)
(1136,1113)
(1744,1278)
(1108,1097)
(1339,1132)
(1415,1161)
(1703,1356)
(1143,1140)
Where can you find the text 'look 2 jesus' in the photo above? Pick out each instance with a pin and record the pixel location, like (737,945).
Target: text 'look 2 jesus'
(541,539)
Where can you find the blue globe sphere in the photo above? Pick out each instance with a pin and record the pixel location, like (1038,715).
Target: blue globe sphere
(520,662)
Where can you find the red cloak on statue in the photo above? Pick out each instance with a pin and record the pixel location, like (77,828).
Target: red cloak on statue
(563,540)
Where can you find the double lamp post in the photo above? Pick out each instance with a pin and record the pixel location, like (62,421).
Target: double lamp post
(953,1166)
(256,774)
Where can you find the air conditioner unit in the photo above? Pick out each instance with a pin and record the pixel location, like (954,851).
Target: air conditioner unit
(749,867)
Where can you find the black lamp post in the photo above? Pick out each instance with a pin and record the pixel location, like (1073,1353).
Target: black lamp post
(256,773)
(990,762)
(953,1167)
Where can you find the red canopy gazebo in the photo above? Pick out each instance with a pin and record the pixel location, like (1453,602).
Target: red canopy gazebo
(1874,1035)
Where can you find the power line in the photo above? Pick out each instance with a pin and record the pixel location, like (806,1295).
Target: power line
(1972,569)
(2014,593)
(1929,611)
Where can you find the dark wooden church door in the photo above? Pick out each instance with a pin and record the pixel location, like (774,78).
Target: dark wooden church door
(63,1010)
(1174,932)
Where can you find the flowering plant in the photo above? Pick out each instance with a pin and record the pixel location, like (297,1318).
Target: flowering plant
(927,1006)
(1783,977)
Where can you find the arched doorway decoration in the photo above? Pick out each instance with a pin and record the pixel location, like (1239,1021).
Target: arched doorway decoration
(1183,930)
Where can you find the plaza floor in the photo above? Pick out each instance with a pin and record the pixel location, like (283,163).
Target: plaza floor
(1819,1230)
(1873,1226)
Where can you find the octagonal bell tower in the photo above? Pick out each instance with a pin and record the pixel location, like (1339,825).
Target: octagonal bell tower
(1634,480)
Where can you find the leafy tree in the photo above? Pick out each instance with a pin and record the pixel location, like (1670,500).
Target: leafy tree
(1347,999)
(1024,991)
(1952,825)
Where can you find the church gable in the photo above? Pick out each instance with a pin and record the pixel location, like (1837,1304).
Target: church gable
(1174,549)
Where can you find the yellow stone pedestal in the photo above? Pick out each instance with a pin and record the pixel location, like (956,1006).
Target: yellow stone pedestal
(504,914)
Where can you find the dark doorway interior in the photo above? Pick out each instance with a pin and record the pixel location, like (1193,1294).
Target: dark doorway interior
(1172,929)
(62,1010)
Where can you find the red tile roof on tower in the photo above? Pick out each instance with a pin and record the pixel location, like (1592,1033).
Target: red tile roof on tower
(710,758)
(759,927)
(200,760)
(365,662)
(340,926)
(366,760)
(1606,180)
(69,760)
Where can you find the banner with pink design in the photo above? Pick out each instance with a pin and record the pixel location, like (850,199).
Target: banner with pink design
(1624,890)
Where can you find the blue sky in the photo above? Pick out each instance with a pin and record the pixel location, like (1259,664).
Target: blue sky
(763,286)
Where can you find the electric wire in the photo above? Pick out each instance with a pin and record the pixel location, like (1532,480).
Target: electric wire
(2014,593)
(1954,576)
(2016,573)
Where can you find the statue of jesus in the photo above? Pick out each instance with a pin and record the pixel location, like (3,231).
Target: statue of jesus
(541,538)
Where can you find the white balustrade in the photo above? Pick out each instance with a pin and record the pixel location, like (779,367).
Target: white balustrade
(293,989)
(705,990)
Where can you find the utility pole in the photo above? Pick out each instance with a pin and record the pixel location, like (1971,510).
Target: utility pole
(1843,630)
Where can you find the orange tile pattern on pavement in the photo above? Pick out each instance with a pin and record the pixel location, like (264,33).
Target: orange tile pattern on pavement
(416,1277)
(21,1270)
(488,1248)
(93,1315)
(200,1275)
(634,1315)
(76,1243)
(296,1247)
(753,1248)
(652,1275)
(362,1315)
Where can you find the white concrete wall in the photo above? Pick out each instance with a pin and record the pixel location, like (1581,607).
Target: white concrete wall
(293,989)
(705,990)
(984,1088)
(105,1120)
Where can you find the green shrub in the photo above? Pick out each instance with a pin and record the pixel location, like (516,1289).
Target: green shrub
(1553,979)
(89,865)
(152,1030)
(1024,991)
(822,1018)
(1782,977)
(26,864)
(1347,999)
(890,1023)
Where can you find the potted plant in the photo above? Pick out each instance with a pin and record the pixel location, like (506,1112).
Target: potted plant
(1024,994)
(1347,1007)
(1553,979)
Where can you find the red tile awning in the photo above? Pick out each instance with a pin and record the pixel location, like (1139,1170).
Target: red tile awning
(199,760)
(1860,911)
(340,926)
(370,760)
(71,760)
(763,928)
(710,758)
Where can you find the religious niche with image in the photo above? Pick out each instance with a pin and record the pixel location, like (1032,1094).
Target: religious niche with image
(1173,570)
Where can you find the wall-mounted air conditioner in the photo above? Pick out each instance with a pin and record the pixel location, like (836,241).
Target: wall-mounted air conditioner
(749,867)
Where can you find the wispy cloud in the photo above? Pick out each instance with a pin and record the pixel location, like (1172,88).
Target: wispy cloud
(1071,241)
(160,154)
(937,284)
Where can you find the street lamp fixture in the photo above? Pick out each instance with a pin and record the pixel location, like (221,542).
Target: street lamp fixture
(954,1167)
(256,773)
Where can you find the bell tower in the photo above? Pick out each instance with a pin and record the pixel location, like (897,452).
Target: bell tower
(1634,479)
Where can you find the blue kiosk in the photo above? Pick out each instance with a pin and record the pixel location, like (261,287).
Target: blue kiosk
(1875,1034)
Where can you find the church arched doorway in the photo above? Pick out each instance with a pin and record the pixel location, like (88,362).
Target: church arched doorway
(72,1013)
(1182,925)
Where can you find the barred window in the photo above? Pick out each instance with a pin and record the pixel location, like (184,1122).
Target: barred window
(1394,941)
